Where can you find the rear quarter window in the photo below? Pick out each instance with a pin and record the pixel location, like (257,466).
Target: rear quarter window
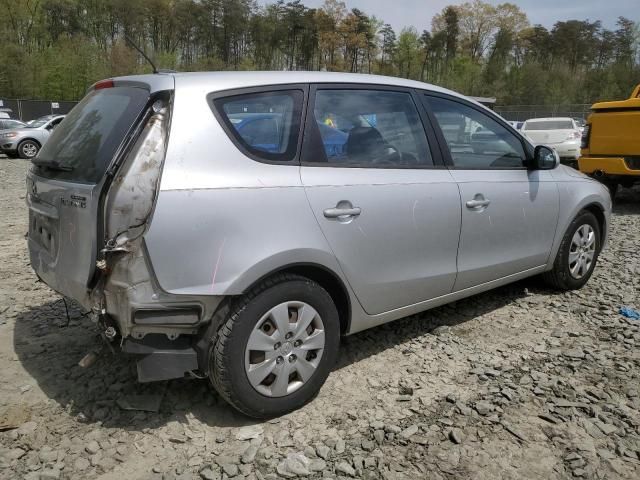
(264,125)
(89,136)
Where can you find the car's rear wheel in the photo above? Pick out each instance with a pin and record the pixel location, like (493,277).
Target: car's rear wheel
(577,255)
(28,149)
(276,347)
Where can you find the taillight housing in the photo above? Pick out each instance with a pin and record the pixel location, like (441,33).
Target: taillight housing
(586,134)
(108,83)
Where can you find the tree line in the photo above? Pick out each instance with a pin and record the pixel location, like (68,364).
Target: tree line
(55,49)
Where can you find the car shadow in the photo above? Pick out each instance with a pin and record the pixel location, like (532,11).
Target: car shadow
(49,348)
(373,341)
(627,201)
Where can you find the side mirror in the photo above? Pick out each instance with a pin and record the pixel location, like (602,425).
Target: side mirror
(544,158)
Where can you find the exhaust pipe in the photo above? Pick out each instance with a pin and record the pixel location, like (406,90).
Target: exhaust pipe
(598,174)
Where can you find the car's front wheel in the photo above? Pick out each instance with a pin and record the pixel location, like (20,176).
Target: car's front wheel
(276,347)
(28,149)
(577,255)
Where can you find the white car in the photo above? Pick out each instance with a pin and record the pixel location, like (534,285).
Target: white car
(560,133)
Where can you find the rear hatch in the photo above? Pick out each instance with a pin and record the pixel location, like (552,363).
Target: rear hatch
(65,185)
(550,131)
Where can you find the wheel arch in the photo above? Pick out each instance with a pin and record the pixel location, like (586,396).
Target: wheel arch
(29,138)
(598,211)
(326,278)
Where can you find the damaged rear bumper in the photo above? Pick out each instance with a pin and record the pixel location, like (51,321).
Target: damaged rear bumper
(161,358)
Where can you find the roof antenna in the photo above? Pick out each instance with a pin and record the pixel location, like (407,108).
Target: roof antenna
(126,37)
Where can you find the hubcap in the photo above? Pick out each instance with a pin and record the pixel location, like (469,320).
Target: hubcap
(582,251)
(284,349)
(30,149)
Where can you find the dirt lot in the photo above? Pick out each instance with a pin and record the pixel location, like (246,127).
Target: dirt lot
(517,383)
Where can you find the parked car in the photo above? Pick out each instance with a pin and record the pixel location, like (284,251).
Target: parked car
(580,123)
(9,123)
(611,144)
(516,125)
(562,134)
(27,140)
(209,250)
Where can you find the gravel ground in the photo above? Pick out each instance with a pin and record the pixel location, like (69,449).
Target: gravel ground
(520,382)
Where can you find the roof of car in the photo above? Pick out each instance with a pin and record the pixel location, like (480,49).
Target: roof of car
(219,81)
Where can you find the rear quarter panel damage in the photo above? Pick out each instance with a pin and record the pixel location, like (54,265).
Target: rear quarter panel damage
(222,220)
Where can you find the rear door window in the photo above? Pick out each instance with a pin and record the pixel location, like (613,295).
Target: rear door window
(264,125)
(89,136)
(368,128)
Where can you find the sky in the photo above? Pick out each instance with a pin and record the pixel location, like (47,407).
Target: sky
(402,13)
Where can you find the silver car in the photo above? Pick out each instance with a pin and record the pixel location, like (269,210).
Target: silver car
(9,123)
(235,225)
(26,141)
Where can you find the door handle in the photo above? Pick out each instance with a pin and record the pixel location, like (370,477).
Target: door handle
(342,212)
(478,202)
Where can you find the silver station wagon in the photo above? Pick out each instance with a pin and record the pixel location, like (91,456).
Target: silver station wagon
(235,225)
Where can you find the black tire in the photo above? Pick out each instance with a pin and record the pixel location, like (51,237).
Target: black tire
(560,276)
(227,350)
(26,146)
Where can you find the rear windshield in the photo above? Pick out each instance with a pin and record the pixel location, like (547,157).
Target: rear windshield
(550,125)
(87,139)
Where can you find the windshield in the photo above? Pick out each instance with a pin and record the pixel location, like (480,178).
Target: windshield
(91,133)
(38,122)
(549,125)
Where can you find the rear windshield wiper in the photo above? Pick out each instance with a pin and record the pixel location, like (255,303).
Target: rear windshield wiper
(52,165)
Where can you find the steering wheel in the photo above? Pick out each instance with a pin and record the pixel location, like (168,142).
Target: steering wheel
(392,155)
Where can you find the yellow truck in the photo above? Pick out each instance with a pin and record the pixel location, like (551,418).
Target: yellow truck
(610,148)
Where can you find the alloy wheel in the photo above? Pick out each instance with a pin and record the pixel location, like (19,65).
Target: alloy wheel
(582,251)
(29,149)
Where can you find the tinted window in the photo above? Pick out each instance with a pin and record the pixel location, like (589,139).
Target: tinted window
(368,128)
(549,125)
(476,140)
(265,124)
(54,123)
(89,136)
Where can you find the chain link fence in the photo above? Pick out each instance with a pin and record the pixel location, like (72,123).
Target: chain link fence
(520,113)
(26,110)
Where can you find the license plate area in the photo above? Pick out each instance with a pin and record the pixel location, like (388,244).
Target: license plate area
(44,232)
